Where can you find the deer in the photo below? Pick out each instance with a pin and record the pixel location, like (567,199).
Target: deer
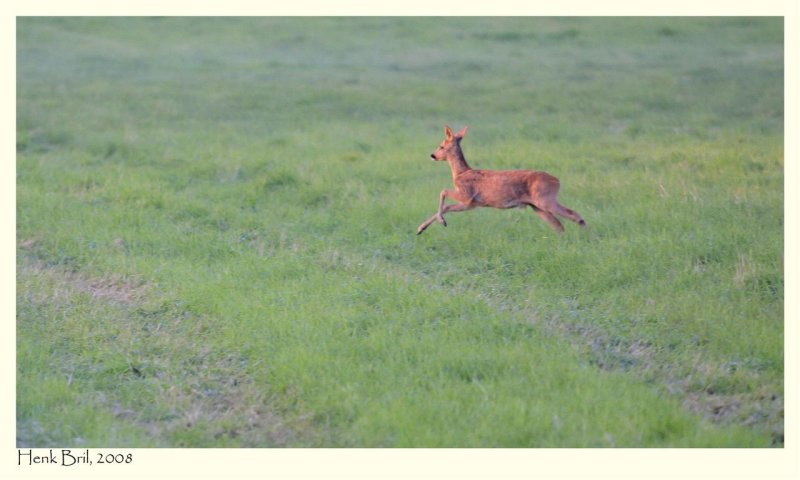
(496,188)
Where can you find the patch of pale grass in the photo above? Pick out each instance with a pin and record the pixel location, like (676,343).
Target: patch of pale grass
(206,397)
(745,270)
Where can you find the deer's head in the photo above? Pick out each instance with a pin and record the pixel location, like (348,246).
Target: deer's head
(449,145)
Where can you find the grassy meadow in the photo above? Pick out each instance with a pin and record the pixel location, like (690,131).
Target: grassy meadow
(216,246)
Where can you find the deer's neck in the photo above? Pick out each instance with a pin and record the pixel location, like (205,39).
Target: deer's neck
(458,164)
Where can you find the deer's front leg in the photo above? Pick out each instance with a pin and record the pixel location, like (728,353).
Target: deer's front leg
(427,223)
(442,195)
(438,216)
(461,206)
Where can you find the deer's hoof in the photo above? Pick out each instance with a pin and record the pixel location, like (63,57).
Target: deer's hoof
(441,220)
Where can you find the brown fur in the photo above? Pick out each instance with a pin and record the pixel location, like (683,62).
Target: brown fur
(496,188)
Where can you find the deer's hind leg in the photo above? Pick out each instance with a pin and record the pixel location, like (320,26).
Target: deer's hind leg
(549,218)
(556,208)
(569,213)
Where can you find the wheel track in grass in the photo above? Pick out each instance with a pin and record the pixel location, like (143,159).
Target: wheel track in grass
(693,382)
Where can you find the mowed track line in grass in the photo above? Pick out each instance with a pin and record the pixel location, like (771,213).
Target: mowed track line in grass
(255,191)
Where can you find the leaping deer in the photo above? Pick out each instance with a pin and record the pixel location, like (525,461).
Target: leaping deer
(496,188)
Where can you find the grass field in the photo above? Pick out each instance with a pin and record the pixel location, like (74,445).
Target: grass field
(216,233)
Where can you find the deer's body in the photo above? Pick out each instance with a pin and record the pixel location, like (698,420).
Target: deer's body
(504,188)
(496,188)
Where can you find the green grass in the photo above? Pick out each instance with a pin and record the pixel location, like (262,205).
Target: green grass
(216,218)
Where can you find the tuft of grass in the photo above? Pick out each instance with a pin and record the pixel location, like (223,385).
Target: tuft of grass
(216,233)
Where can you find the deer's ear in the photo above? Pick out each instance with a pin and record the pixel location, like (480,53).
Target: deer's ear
(461,133)
(447,132)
